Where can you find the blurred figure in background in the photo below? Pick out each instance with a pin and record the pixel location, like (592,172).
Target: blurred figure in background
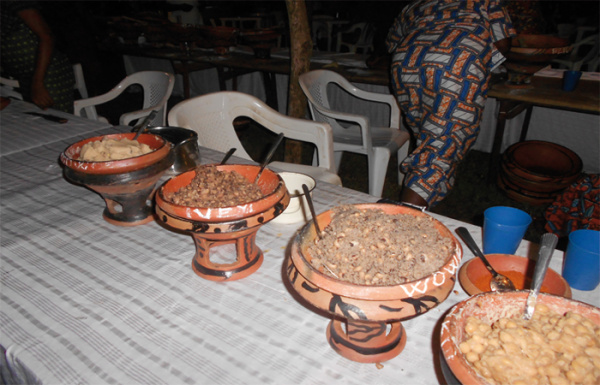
(28,55)
(443,52)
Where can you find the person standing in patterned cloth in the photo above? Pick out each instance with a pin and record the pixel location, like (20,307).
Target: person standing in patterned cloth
(443,52)
(45,75)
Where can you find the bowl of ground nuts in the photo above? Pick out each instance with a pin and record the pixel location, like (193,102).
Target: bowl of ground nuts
(485,340)
(221,205)
(372,266)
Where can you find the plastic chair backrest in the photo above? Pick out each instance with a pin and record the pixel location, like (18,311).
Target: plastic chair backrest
(157,87)
(212,116)
(315,85)
(364,41)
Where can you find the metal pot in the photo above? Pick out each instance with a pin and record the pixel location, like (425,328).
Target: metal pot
(185,147)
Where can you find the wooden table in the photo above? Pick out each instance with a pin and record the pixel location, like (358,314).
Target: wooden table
(544,92)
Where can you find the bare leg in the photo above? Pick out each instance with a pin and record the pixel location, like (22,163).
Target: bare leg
(409,196)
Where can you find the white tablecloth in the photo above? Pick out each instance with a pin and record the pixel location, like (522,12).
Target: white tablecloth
(20,131)
(86,302)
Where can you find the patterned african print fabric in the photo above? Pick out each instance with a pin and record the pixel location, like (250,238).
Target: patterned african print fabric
(19,46)
(442,56)
(578,207)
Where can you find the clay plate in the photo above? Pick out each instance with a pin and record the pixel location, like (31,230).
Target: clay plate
(475,278)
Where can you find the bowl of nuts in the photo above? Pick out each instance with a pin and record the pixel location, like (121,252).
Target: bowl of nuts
(123,170)
(220,205)
(485,340)
(372,266)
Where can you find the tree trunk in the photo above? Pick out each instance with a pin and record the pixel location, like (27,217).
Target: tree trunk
(300,54)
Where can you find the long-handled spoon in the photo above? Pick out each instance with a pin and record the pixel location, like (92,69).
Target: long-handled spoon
(547,245)
(228,155)
(269,156)
(141,127)
(311,206)
(499,282)
(312,209)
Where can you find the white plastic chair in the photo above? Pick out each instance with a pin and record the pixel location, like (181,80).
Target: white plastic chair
(11,85)
(212,116)
(364,43)
(354,133)
(157,87)
(576,60)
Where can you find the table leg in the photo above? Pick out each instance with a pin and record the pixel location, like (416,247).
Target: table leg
(508,110)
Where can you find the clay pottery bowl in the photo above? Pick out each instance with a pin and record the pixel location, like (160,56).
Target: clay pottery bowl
(220,38)
(489,307)
(530,53)
(127,185)
(536,172)
(261,40)
(537,48)
(213,227)
(362,313)
(475,278)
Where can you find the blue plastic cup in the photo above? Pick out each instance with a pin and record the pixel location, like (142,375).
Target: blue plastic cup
(570,80)
(581,267)
(503,229)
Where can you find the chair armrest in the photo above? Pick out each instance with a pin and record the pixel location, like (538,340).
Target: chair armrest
(80,104)
(360,120)
(128,117)
(376,97)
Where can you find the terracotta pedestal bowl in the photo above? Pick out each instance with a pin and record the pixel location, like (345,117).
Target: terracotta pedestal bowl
(214,227)
(366,325)
(530,53)
(490,307)
(127,186)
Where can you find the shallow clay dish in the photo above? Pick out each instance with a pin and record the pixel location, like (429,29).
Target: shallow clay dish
(489,307)
(475,278)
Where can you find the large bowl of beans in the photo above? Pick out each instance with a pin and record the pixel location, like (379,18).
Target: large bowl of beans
(484,340)
(373,266)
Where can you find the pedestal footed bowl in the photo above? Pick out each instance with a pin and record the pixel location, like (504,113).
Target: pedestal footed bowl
(366,319)
(127,186)
(213,227)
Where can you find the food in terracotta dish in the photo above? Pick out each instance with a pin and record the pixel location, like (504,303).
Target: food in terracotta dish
(551,348)
(112,149)
(370,247)
(214,188)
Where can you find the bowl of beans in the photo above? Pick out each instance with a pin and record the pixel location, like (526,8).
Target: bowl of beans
(372,266)
(475,278)
(485,340)
(221,205)
(123,170)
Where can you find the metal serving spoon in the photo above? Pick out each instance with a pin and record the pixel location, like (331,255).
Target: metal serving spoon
(141,127)
(228,155)
(547,245)
(499,282)
(269,156)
